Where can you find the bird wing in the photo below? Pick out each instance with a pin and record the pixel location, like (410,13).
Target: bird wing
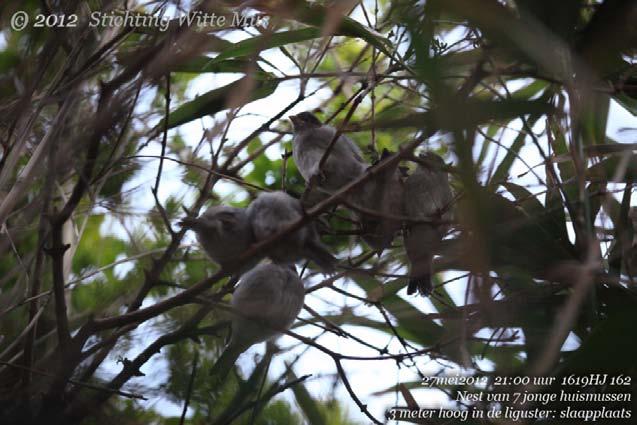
(272,298)
(352,148)
(427,192)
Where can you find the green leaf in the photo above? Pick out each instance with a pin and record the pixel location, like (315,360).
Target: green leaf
(536,310)
(619,168)
(609,148)
(246,389)
(250,46)
(526,40)
(492,130)
(551,219)
(87,257)
(560,148)
(461,58)
(313,15)
(594,193)
(308,405)
(555,222)
(618,213)
(529,90)
(629,103)
(387,289)
(202,64)
(559,17)
(217,100)
(412,323)
(502,172)
(466,114)
(525,199)
(608,349)
(594,119)
(316,15)
(8,59)
(515,238)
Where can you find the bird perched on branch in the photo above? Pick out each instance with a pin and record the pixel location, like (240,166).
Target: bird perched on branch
(311,140)
(270,214)
(224,233)
(428,196)
(381,197)
(265,303)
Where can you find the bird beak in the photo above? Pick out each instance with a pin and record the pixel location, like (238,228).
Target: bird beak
(295,121)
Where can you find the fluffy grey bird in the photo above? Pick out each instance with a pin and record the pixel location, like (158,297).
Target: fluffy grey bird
(382,195)
(311,139)
(272,212)
(427,196)
(223,232)
(265,303)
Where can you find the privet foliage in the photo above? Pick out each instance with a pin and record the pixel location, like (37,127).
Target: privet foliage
(104,148)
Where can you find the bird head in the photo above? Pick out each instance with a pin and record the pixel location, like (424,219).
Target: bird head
(215,219)
(432,160)
(304,121)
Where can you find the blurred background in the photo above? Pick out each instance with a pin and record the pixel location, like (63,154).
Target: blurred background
(119,117)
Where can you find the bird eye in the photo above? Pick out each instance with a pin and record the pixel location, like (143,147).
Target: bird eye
(226,219)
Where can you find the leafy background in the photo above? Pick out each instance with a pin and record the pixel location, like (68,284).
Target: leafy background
(110,135)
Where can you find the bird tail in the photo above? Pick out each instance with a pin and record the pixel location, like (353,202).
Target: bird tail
(321,256)
(421,283)
(420,276)
(224,364)
(420,244)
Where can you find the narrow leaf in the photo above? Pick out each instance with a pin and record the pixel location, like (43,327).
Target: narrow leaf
(250,46)
(216,100)
(308,405)
(628,103)
(465,115)
(202,64)
(619,169)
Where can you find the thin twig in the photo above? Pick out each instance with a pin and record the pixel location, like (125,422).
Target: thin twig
(191,381)
(268,396)
(155,189)
(352,393)
(78,383)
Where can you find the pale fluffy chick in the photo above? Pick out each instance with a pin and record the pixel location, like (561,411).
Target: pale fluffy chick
(264,304)
(270,214)
(224,233)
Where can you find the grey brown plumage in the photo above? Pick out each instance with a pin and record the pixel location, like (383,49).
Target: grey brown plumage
(311,139)
(223,232)
(383,196)
(428,196)
(264,304)
(270,214)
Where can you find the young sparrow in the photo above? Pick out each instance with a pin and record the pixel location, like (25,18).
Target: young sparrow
(272,212)
(427,196)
